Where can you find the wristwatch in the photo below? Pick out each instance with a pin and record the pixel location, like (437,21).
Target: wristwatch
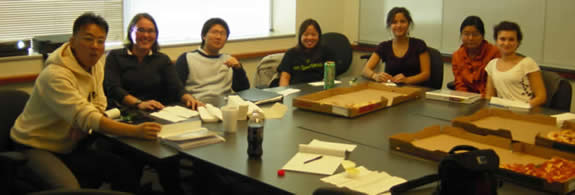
(137,103)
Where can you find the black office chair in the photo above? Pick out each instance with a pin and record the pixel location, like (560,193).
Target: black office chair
(558,90)
(16,168)
(436,67)
(339,44)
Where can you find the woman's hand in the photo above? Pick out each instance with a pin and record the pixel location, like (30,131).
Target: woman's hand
(150,105)
(399,78)
(381,77)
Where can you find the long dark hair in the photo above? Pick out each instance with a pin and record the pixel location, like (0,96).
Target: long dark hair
(302,29)
(396,10)
(133,23)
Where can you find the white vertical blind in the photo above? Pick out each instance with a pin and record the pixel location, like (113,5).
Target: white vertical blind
(182,20)
(24,19)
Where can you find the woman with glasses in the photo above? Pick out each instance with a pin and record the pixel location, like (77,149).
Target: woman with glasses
(139,75)
(469,61)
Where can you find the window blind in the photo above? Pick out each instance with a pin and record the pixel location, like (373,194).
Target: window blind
(24,19)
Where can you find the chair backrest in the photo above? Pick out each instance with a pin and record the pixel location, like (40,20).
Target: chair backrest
(436,67)
(558,90)
(12,103)
(266,70)
(339,44)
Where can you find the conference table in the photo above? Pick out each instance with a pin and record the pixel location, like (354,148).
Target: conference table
(369,132)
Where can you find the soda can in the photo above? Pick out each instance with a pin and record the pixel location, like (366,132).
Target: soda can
(329,75)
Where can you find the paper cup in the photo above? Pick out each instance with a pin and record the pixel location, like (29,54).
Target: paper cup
(113,113)
(243,111)
(230,118)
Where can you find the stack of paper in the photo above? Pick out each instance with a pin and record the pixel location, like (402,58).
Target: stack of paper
(188,135)
(318,157)
(368,182)
(513,105)
(453,96)
(175,113)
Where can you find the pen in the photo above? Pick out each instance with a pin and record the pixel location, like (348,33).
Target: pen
(313,159)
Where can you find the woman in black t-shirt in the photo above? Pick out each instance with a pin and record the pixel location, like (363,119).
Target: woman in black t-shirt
(304,63)
(406,59)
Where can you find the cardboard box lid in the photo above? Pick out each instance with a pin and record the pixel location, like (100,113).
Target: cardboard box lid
(440,139)
(519,127)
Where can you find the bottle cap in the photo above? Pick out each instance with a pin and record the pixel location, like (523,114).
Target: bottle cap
(281,172)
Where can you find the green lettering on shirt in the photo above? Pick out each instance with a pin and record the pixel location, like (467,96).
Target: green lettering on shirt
(307,67)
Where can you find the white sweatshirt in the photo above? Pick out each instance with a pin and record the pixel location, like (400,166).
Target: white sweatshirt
(67,101)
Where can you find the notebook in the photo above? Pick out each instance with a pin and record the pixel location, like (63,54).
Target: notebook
(453,96)
(258,96)
(318,157)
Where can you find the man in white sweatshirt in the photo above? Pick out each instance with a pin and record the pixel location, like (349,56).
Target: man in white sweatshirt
(68,102)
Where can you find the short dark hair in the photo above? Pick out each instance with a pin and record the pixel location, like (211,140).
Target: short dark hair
(133,23)
(302,29)
(473,21)
(211,22)
(508,26)
(396,10)
(89,18)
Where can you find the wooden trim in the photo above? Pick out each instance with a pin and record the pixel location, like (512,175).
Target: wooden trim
(257,54)
(32,77)
(363,48)
(18,79)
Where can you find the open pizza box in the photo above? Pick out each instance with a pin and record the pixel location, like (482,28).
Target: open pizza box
(358,99)
(518,127)
(535,129)
(561,140)
(434,143)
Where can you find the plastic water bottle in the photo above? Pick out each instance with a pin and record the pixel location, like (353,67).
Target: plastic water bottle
(255,134)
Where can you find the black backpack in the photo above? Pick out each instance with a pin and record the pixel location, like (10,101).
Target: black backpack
(470,172)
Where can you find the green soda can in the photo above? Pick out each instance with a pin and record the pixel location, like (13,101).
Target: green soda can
(329,75)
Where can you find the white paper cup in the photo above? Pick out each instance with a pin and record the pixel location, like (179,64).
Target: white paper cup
(230,118)
(113,113)
(243,111)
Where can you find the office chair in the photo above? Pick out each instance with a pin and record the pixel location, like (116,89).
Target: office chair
(266,71)
(25,171)
(339,44)
(558,90)
(436,67)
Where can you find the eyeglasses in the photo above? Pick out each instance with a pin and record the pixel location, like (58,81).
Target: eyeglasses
(144,30)
(216,32)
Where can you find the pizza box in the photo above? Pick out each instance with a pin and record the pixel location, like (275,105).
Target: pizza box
(518,127)
(434,143)
(543,139)
(357,100)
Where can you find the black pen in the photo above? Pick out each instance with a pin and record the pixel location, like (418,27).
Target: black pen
(313,159)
